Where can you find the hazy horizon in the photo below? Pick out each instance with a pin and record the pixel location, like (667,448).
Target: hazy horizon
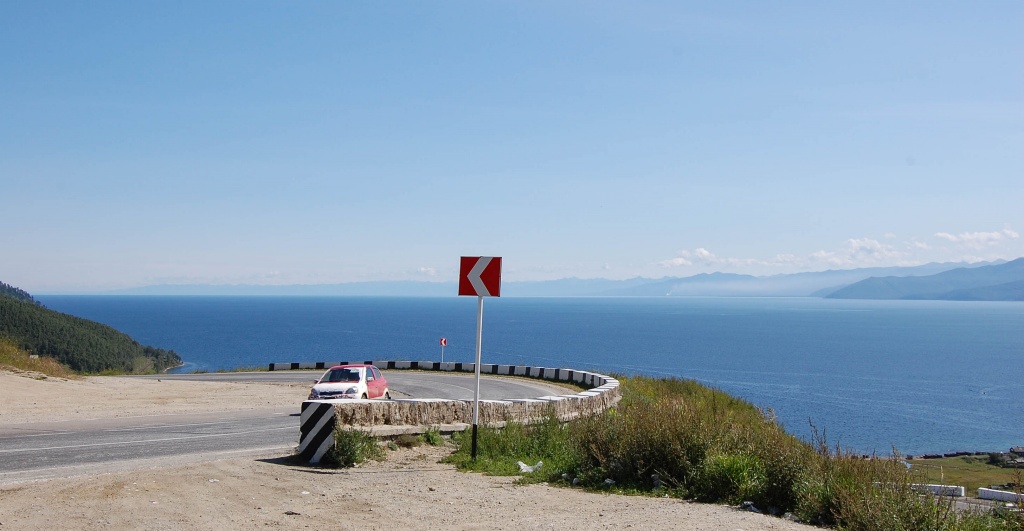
(392,287)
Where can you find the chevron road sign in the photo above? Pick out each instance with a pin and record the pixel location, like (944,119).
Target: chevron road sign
(480,276)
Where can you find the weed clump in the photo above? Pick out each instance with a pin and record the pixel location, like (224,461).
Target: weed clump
(677,437)
(433,437)
(351,448)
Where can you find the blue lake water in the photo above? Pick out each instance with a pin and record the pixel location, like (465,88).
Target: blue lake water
(923,376)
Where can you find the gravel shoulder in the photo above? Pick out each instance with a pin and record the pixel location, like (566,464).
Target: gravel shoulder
(409,490)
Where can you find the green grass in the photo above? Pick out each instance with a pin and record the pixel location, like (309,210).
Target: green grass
(971,472)
(677,437)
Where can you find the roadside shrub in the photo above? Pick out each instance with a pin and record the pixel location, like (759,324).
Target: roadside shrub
(698,441)
(730,478)
(640,439)
(353,447)
(858,494)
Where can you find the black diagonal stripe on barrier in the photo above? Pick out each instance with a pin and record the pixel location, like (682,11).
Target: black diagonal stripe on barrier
(458,367)
(494,369)
(316,439)
(311,420)
(320,365)
(295,366)
(391,365)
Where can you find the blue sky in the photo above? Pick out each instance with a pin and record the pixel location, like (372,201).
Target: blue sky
(283,142)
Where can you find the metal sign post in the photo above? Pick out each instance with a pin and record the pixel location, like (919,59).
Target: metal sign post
(476,369)
(479,276)
(444,343)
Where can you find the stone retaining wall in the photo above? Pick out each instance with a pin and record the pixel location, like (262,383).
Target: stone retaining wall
(317,422)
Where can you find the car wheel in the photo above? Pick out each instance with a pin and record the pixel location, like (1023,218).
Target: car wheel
(387,395)
(364,396)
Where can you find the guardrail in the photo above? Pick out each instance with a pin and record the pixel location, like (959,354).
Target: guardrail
(415,415)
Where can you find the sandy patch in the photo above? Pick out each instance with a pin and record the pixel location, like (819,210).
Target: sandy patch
(27,399)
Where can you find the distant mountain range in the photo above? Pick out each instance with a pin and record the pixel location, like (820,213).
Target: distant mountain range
(1003,282)
(998,281)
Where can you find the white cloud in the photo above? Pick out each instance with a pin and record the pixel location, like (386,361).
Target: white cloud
(428,271)
(826,257)
(855,252)
(786,259)
(859,252)
(866,249)
(704,257)
(979,240)
(675,262)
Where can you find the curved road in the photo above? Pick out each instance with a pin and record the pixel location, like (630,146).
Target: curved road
(403,384)
(57,449)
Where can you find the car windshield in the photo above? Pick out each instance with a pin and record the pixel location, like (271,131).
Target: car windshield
(342,375)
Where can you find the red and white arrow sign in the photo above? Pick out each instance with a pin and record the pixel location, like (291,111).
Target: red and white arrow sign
(480,276)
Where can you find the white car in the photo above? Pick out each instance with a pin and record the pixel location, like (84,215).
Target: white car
(350,381)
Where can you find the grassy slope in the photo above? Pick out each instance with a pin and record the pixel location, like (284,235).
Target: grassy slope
(680,438)
(15,359)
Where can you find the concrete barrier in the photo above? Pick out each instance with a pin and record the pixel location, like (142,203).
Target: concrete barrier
(1000,495)
(955,491)
(319,418)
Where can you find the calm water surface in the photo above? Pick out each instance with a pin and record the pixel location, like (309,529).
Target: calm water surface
(923,376)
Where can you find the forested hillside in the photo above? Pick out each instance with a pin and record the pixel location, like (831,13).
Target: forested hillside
(6,290)
(83,345)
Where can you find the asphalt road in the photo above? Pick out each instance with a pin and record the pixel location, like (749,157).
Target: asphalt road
(58,449)
(403,384)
